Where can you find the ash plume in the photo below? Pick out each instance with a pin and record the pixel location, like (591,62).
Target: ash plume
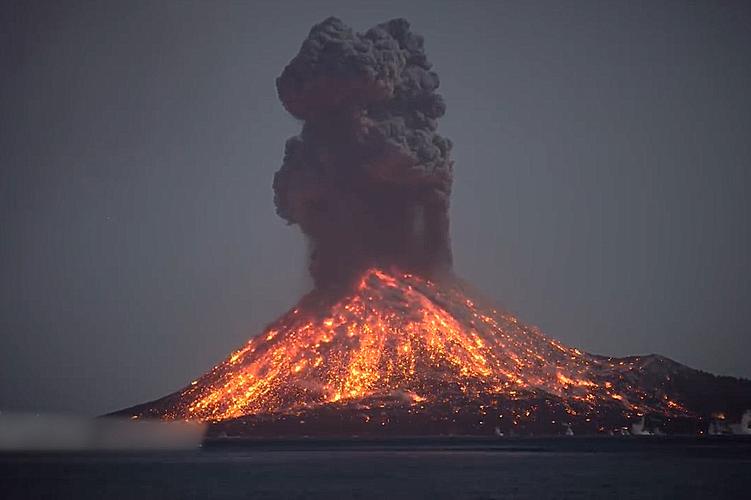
(368,179)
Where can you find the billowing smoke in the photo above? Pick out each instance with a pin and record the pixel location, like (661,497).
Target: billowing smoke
(368,179)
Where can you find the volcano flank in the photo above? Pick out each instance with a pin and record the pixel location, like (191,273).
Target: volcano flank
(390,341)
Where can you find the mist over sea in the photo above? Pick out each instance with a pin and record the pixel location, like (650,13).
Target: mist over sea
(528,468)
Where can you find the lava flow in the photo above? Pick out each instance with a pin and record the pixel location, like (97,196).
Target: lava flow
(401,335)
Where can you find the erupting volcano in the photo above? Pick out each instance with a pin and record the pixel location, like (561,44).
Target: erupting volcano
(390,341)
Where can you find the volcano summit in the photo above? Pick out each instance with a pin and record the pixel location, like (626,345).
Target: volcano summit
(390,341)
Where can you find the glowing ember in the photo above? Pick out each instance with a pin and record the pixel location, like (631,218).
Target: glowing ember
(398,334)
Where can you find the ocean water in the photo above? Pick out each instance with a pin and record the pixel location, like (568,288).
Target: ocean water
(576,468)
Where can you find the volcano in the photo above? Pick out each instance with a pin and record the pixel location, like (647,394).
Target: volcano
(390,341)
(405,355)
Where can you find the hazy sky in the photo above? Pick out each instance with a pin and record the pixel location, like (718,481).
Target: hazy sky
(603,156)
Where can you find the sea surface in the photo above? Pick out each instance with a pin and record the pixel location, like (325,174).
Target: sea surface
(529,468)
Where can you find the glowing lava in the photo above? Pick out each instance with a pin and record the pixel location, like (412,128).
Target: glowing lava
(400,336)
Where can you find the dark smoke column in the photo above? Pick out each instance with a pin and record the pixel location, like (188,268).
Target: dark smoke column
(368,179)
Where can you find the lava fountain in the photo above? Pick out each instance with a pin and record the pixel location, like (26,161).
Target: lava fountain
(390,341)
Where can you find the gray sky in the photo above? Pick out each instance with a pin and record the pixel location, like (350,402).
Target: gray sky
(602,161)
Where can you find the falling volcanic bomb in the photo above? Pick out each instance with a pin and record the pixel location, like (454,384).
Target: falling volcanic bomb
(389,341)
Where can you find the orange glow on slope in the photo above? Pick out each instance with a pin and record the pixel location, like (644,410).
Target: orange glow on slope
(401,334)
